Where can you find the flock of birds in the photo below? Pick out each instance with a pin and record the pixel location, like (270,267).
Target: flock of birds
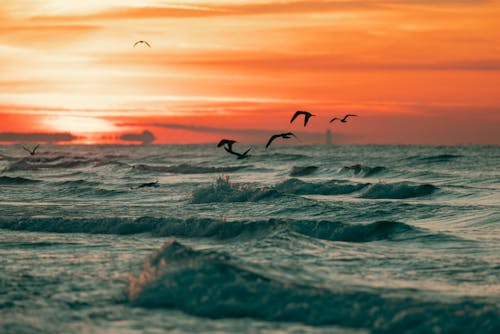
(228,143)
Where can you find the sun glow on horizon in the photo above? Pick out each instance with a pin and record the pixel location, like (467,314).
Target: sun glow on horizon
(77,124)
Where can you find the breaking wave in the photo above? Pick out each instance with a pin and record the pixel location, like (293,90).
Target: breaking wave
(223,191)
(221,229)
(187,169)
(334,187)
(398,190)
(215,285)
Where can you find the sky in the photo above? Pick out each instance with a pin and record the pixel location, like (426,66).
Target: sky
(415,72)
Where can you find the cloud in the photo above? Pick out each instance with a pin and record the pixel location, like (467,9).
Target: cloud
(146,137)
(328,62)
(246,9)
(212,10)
(21,137)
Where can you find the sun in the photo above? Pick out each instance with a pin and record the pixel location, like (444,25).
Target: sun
(79,124)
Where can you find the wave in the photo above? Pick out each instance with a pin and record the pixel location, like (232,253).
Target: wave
(30,163)
(398,190)
(187,169)
(77,183)
(440,158)
(363,171)
(224,191)
(221,229)
(337,231)
(215,285)
(334,187)
(7,180)
(303,170)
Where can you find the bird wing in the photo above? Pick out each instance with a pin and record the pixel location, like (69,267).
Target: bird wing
(35,148)
(230,151)
(306,118)
(139,42)
(222,142)
(246,152)
(348,115)
(297,113)
(27,150)
(273,137)
(227,142)
(333,119)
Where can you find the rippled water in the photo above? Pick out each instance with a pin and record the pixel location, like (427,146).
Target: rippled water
(317,239)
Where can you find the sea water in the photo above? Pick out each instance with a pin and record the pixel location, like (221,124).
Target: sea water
(313,239)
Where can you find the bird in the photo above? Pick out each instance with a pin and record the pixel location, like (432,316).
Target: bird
(343,120)
(32,151)
(143,42)
(306,114)
(287,135)
(228,142)
(239,155)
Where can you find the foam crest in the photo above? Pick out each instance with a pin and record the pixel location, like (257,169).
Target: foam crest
(223,191)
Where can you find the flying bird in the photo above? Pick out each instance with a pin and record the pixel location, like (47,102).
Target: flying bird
(343,120)
(306,114)
(287,135)
(239,155)
(228,142)
(32,151)
(141,42)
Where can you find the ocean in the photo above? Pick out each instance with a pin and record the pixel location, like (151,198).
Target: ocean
(294,239)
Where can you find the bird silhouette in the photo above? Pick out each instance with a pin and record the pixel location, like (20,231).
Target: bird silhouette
(141,42)
(343,120)
(306,114)
(32,151)
(239,155)
(287,135)
(228,142)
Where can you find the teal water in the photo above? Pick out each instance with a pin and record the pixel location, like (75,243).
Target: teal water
(314,239)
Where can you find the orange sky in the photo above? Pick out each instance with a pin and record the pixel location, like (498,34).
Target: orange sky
(426,73)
